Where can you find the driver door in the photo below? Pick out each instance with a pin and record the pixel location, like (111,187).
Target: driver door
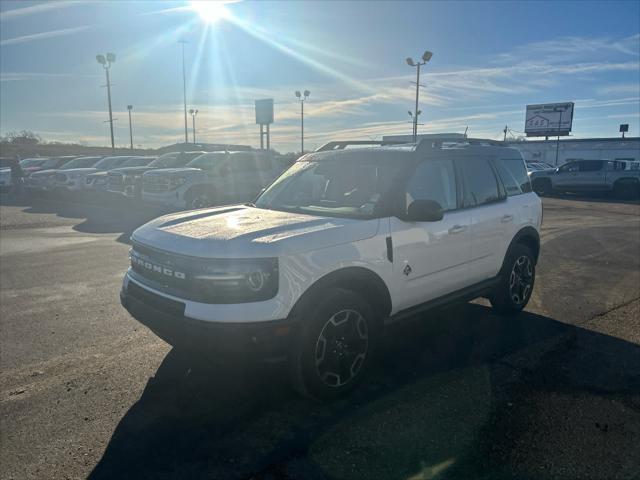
(430,259)
(567,175)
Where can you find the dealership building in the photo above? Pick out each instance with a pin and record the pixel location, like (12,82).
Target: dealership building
(567,149)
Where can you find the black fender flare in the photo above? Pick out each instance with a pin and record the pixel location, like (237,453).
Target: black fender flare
(360,280)
(528,236)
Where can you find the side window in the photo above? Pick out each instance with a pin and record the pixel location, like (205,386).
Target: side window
(242,164)
(591,166)
(481,184)
(434,180)
(514,175)
(569,167)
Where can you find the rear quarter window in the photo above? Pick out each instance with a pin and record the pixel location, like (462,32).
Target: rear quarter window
(514,176)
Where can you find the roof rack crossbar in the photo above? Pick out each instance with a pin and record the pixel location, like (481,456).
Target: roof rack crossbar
(438,142)
(342,144)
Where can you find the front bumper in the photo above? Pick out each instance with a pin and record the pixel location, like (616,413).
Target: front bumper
(266,341)
(171,198)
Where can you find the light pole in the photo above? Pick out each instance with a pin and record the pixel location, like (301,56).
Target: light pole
(184,92)
(302,98)
(130,107)
(106,64)
(426,56)
(193,121)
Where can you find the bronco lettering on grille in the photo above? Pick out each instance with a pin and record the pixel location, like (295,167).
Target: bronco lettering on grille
(153,267)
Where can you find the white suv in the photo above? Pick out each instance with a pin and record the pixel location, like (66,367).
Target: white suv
(343,242)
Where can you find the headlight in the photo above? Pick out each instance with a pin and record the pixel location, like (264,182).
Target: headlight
(237,280)
(177,181)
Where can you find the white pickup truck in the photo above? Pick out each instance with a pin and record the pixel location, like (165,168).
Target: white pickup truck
(588,176)
(211,179)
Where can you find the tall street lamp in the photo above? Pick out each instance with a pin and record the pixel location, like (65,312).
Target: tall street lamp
(302,97)
(106,64)
(193,120)
(184,92)
(130,107)
(426,56)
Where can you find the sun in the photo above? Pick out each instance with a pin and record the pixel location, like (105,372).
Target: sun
(210,11)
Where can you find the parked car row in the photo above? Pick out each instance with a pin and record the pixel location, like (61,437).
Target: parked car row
(175,180)
(586,176)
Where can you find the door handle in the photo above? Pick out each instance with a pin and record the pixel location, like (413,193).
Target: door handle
(457,229)
(506,218)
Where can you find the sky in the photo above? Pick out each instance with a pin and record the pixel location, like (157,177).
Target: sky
(490,59)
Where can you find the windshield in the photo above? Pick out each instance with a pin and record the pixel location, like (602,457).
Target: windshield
(170,160)
(82,162)
(207,161)
(109,162)
(31,162)
(353,188)
(137,162)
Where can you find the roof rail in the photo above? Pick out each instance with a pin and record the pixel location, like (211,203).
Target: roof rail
(438,142)
(342,144)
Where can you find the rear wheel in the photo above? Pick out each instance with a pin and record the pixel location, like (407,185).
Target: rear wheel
(626,189)
(335,345)
(516,281)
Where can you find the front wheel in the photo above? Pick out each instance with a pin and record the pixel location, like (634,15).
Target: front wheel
(516,281)
(335,346)
(200,199)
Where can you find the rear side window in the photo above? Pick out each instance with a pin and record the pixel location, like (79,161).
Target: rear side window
(513,175)
(481,184)
(591,166)
(434,180)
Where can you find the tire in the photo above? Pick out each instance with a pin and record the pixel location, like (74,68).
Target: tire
(626,189)
(335,345)
(516,283)
(200,199)
(542,186)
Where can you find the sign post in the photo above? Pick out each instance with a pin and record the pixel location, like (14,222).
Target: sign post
(549,119)
(264,117)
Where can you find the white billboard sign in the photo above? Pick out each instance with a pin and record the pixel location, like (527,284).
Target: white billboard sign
(549,119)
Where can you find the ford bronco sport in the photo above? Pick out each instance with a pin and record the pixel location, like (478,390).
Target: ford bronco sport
(343,242)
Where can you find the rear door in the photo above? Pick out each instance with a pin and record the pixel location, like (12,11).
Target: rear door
(591,175)
(485,199)
(430,259)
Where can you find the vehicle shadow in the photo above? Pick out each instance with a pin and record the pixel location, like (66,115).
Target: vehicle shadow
(99,214)
(433,406)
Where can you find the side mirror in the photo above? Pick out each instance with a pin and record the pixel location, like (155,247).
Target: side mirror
(424,211)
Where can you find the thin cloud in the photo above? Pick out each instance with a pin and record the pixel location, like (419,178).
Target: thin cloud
(45,35)
(39,8)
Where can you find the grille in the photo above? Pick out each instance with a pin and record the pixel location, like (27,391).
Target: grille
(116,182)
(176,275)
(155,184)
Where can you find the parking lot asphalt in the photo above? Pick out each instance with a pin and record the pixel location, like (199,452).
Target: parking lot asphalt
(459,394)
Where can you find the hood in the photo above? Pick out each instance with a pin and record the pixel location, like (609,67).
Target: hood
(131,170)
(542,173)
(84,171)
(246,232)
(175,171)
(44,172)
